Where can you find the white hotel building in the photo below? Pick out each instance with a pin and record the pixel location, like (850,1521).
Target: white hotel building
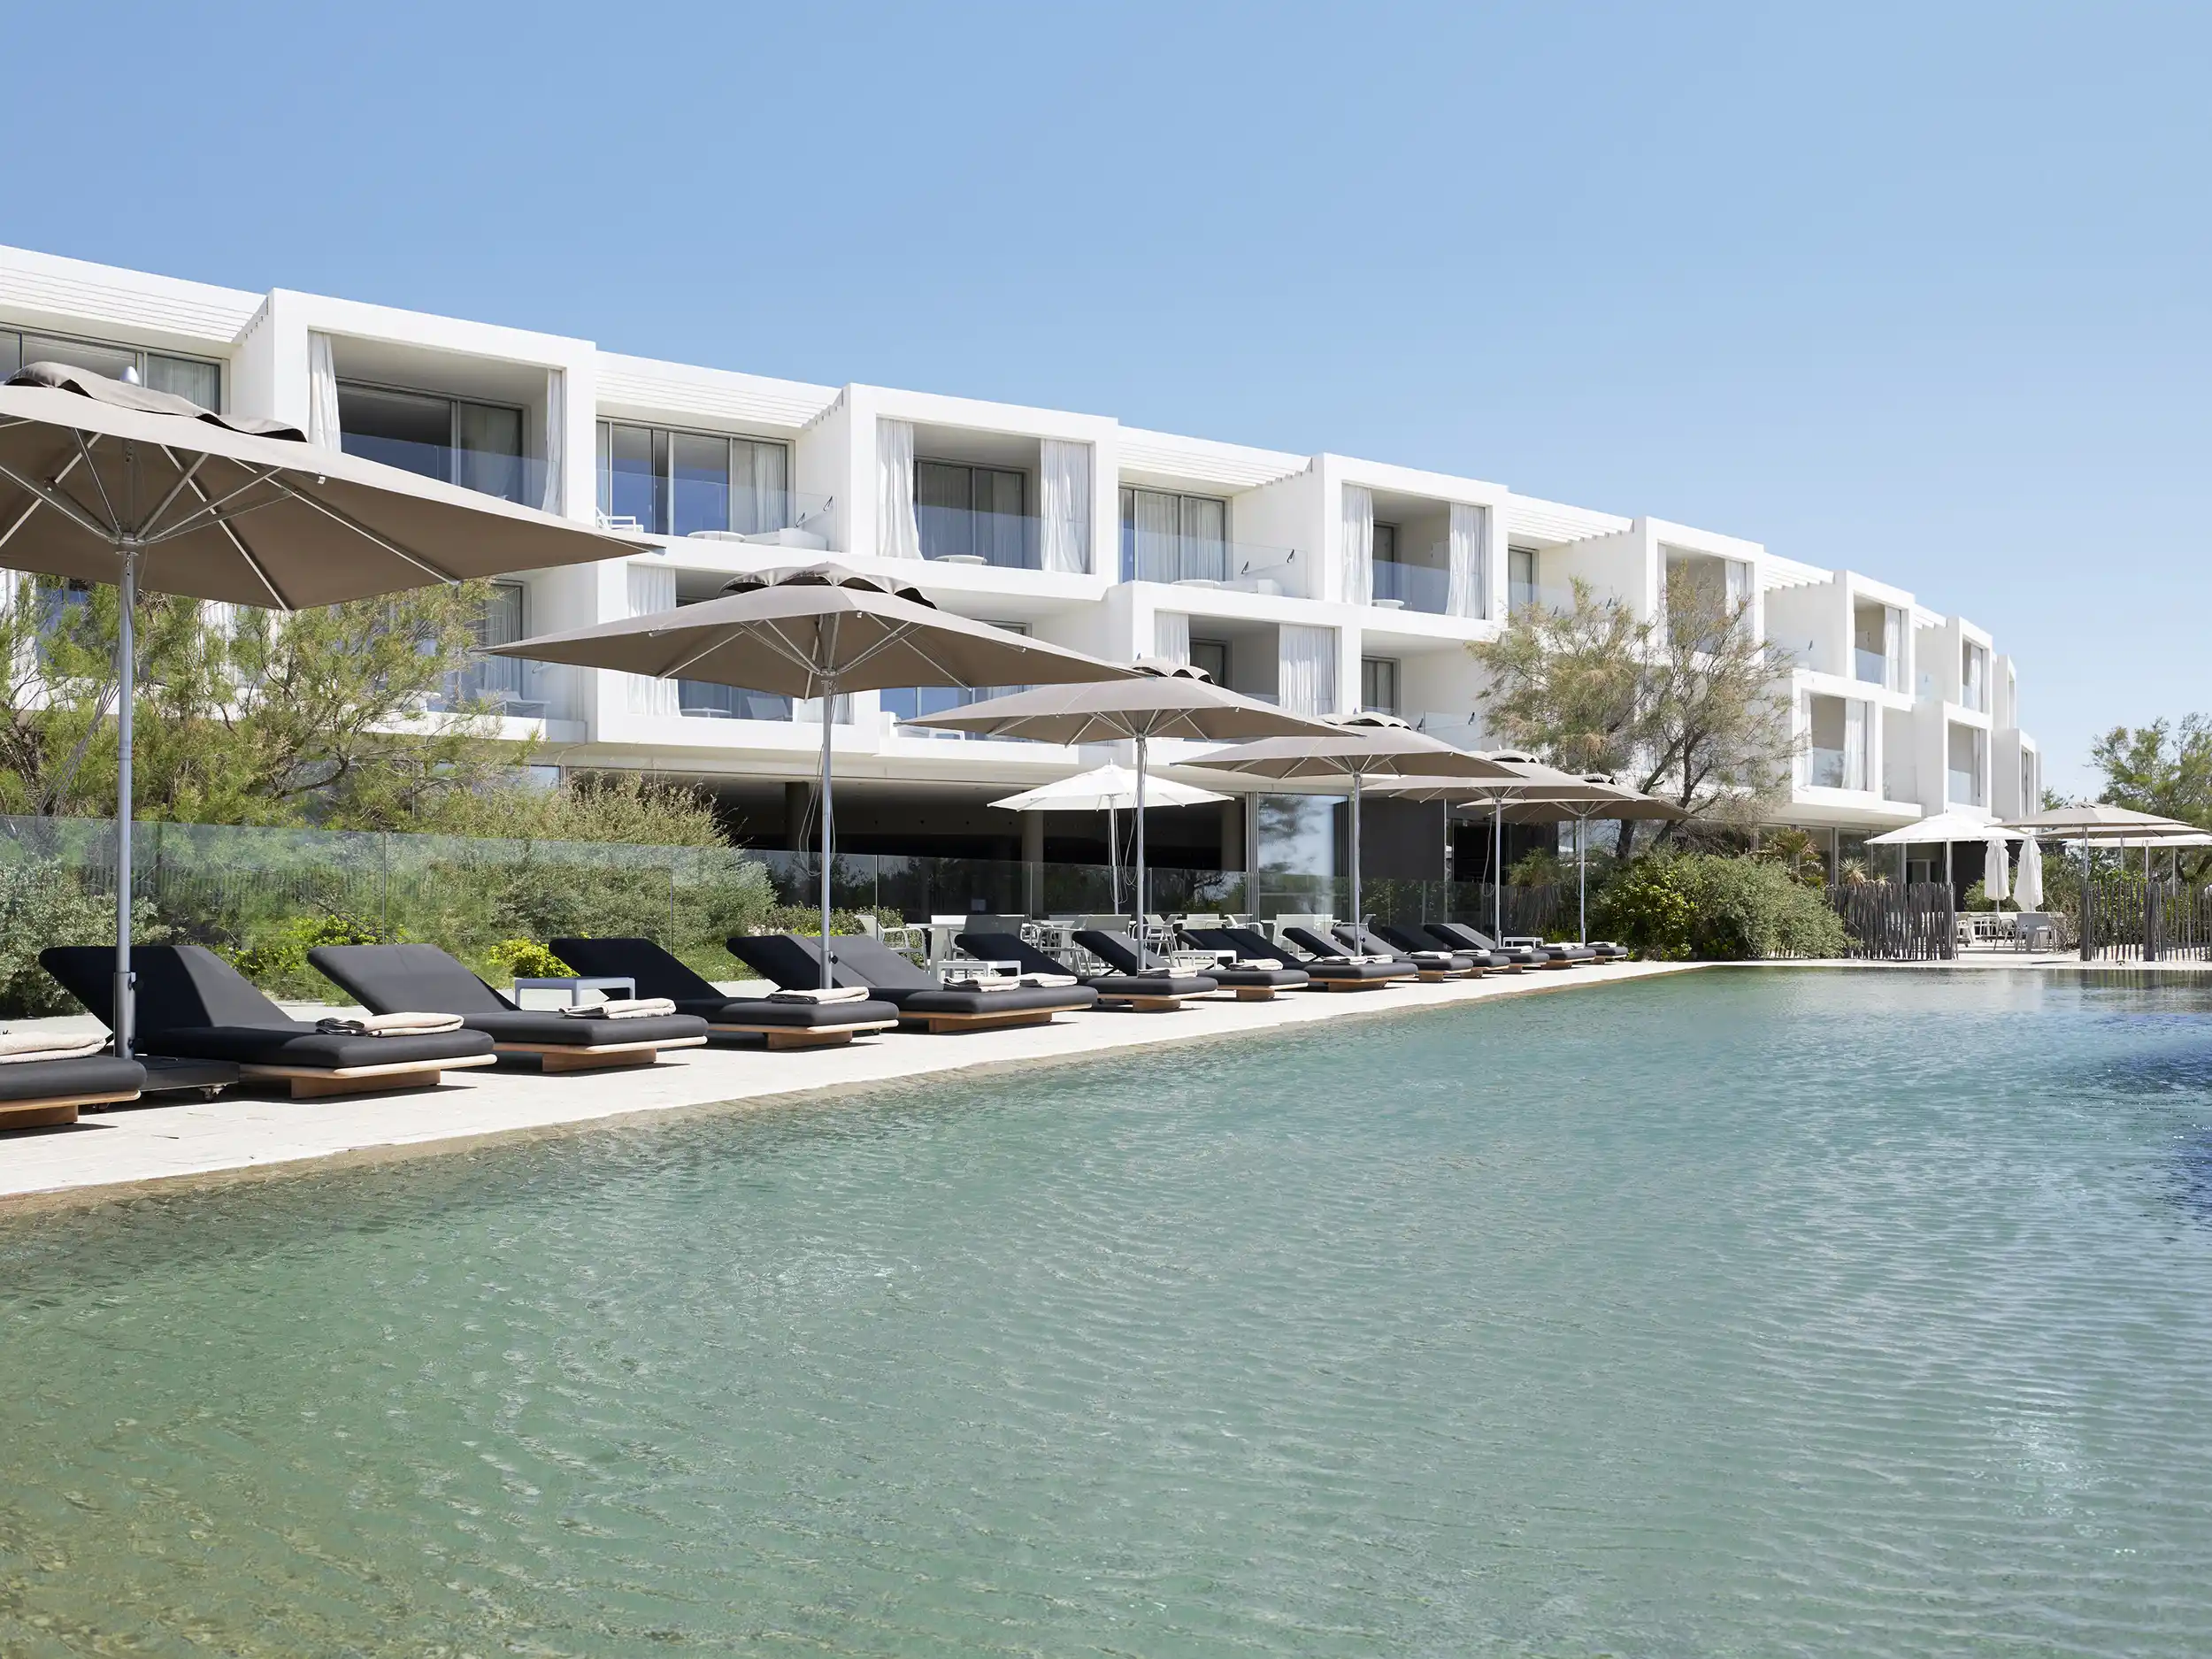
(1326,582)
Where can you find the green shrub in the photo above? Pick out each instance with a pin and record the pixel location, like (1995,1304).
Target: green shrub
(524,959)
(44,904)
(807,919)
(276,959)
(1707,908)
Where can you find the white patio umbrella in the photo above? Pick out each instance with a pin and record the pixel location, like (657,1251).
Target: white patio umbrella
(1110,789)
(1355,748)
(1943,829)
(102,481)
(1163,700)
(2027,891)
(1996,870)
(817,632)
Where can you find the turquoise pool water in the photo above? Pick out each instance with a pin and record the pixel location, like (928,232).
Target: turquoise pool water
(1741,1313)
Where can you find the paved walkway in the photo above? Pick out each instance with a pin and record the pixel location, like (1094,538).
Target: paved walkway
(250,1133)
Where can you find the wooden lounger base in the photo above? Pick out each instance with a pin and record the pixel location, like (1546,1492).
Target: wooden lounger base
(781,1037)
(1320,984)
(599,1056)
(937,1024)
(317,1083)
(1143,1005)
(49,1114)
(1254,992)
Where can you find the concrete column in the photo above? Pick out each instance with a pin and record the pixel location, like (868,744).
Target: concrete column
(1232,833)
(1032,863)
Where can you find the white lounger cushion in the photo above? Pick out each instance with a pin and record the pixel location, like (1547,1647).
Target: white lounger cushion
(21,1047)
(635,1008)
(835,994)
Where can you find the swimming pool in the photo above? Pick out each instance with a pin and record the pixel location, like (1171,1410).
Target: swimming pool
(1748,1311)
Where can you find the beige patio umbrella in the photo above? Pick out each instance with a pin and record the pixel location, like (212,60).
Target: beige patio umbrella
(2102,823)
(105,481)
(1354,748)
(1533,792)
(817,631)
(1163,700)
(1597,796)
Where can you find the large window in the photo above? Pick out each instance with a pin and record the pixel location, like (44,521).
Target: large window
(974,514)
(1212,657)
(1974,677)
(497,681)
(1378,685)
(908,703)
(478,446)
(1170,538)
(681,483)
(187,377)
(1520,577)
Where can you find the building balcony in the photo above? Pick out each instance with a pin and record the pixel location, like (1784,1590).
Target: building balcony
(515,477)
(1399,587)
(1205,562)
(1824,769)
(964,535)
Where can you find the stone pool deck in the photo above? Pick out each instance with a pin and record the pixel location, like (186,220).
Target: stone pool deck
(108,1153)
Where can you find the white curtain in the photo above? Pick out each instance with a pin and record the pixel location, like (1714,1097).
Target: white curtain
(1854,774)
(652,588)
(1893,648)
(322,392)
(897,534)
(555,429)
(1355,554)
(1066,534)
(1171,636)
(1468,591)
(1158,537)
(1305,679)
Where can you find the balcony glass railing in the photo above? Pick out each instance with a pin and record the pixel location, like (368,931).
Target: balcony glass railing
(962,535)
(1247,566)
(1410,587)
(720,514)
(910,703)
(1965,788)
(1824,768)
(706,701)
(1871,667)
(515,477)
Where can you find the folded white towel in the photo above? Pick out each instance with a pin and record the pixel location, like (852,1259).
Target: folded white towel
(18,1047)
(993,982)
(1048,981)
(835,994)
(637,1007)
(1429,955)
(1268,963)
(409,1024)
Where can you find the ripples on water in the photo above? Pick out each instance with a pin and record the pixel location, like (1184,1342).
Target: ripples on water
(1748,1313)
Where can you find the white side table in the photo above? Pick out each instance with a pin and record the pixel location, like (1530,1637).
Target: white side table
(577,984)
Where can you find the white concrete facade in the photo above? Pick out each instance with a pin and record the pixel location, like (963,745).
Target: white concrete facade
(1322,580)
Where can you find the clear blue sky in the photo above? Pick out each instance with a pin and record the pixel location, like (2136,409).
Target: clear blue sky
(1920,290)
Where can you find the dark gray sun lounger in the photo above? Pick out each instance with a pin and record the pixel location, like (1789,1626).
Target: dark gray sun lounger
(1250,983)
(1433,965)
(194,1005)
(1252,945)
(795,963)
(1459,936)
(655,972)
(1307,940)
(1412,941)
(1130,984)
(400,979)
(45,1094)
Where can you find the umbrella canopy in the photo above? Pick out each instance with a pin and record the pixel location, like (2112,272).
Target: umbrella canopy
(1355,748)
(2027,887)
(1165,700)
(105,482)
(1996,871)
(816,631)
(1106,788)
(1110,789)
(1943,827)
(92,470)
(2098,821)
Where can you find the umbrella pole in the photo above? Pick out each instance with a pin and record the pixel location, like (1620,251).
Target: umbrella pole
(1113,853)
(1582,884)
(123,1001)
(1359,920)
(1137,932)
(1497,869)
(829,702)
